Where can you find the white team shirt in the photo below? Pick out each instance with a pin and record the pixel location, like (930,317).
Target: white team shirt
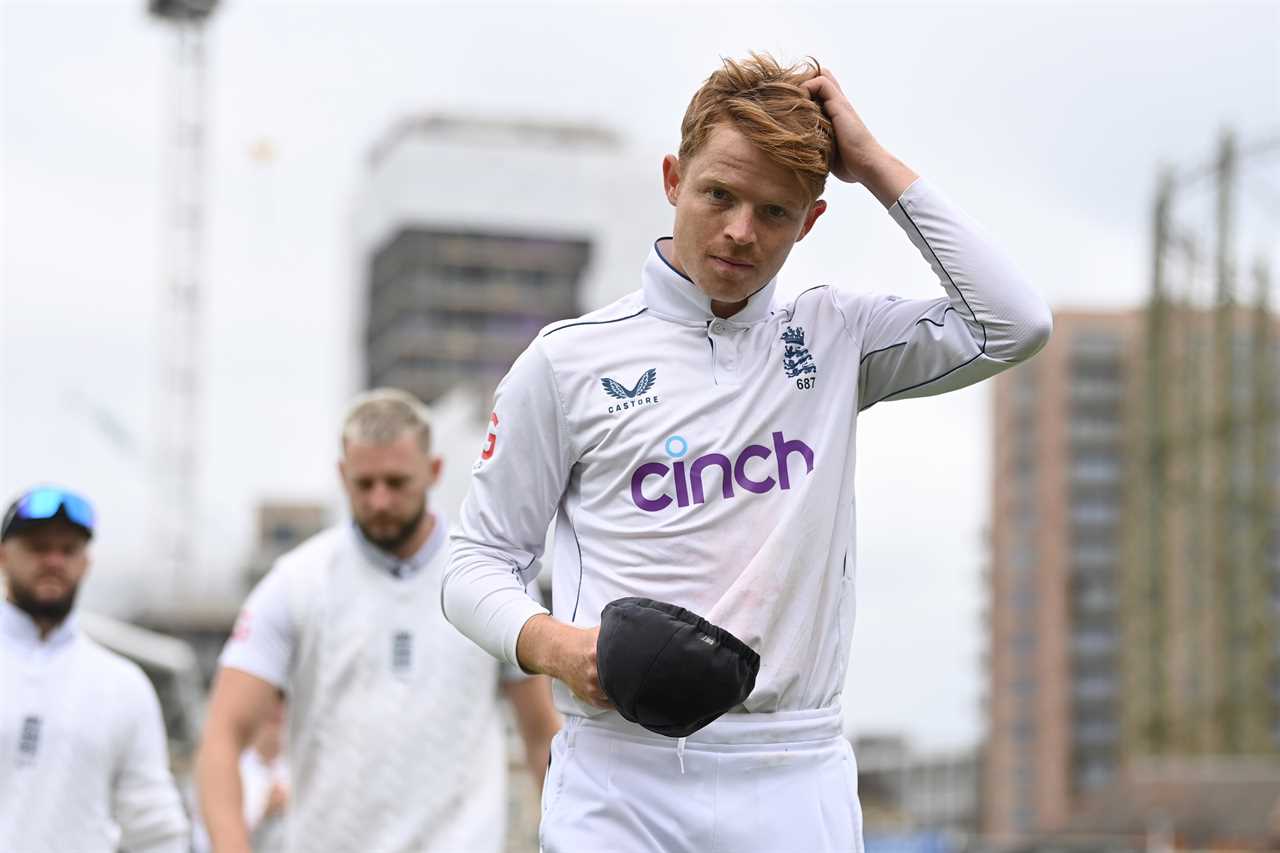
(710,462)
(84,763)
(381,690)
(264,642)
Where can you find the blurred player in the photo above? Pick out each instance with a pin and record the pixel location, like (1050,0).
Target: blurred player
(695,443)
(84,764)
(394,724)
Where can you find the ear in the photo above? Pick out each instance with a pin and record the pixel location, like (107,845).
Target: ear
(819,208)
(437,465)
(342,472)
(671,177)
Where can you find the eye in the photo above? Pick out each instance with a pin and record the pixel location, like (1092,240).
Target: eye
(397,483)
(776,211)
(718,194)
(364,484)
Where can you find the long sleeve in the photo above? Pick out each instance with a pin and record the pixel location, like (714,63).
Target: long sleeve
(989,319)
(145,799)
(515,489)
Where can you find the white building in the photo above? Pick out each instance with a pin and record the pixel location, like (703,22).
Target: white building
(473,233)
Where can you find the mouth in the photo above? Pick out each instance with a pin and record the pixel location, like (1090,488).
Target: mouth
(55,584)
(730,265)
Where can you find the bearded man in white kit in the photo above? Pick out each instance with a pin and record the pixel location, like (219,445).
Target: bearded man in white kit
(395,732)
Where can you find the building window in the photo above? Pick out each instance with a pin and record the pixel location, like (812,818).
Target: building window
(1095,732)
(1093,512)
(1094,687)
(1094,773)
(284,534)
(1093,638)
(1095,468)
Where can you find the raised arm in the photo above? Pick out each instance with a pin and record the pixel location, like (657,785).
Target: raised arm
(990,317)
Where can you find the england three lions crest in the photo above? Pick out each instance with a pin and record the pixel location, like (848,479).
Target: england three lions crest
(796,358)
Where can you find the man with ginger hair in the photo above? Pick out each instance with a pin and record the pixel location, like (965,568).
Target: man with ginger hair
(695,443)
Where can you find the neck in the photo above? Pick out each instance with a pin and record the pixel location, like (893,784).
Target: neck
(724,310)
(419,538)
(47,626)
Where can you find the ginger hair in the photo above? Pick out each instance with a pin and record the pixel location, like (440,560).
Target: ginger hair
(766,103)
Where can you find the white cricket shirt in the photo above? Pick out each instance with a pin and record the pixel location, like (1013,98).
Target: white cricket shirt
(395,737)
(710,462)
(84,763)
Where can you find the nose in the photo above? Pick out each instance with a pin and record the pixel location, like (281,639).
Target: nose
(53,560)
(379,497)
(740,227)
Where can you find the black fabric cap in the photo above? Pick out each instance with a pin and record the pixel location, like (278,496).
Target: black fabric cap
(668,669)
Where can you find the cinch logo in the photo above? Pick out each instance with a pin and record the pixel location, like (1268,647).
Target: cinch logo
(688,484)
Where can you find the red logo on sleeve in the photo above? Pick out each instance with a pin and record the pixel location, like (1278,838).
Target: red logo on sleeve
(240,632)
(491,441)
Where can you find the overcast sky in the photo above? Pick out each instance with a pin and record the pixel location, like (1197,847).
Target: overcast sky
(1046,122)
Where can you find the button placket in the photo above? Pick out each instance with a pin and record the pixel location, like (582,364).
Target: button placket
(730,340)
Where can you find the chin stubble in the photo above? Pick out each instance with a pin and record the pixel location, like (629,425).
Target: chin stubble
(401,536)
(26,601)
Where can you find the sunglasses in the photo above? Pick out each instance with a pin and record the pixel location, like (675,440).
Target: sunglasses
(45,502)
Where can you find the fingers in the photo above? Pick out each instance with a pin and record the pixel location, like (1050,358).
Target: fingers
(824,86)
(601,701)
(595,692)
(592,693)
(587,686)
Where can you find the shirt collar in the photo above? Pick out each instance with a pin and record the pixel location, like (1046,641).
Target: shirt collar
(411,566)
(17,625)
(670,293)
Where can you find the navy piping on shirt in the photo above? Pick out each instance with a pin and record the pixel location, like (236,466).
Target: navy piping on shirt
(976,356)
(663,258)
(671,267)
(594,322)
(982,349)
(904,343)
(578,596)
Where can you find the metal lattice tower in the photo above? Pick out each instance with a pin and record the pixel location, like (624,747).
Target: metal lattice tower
(177,407)
(1203,596)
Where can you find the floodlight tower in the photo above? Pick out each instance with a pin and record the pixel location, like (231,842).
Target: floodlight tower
(177,406)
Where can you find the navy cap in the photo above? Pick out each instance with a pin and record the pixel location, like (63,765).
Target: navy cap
(668,669)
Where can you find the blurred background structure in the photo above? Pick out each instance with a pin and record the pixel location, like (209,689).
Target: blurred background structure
(463,259)
(175,500)
(1135,571)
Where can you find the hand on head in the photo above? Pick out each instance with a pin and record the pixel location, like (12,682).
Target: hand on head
(855,147)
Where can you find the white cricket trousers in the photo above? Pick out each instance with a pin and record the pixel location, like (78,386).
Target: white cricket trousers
(748,783)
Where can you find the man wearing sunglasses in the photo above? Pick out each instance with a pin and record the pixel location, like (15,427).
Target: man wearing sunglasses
(83,758)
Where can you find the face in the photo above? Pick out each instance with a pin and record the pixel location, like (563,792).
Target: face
(737,215)
(387,486)
(43,567)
